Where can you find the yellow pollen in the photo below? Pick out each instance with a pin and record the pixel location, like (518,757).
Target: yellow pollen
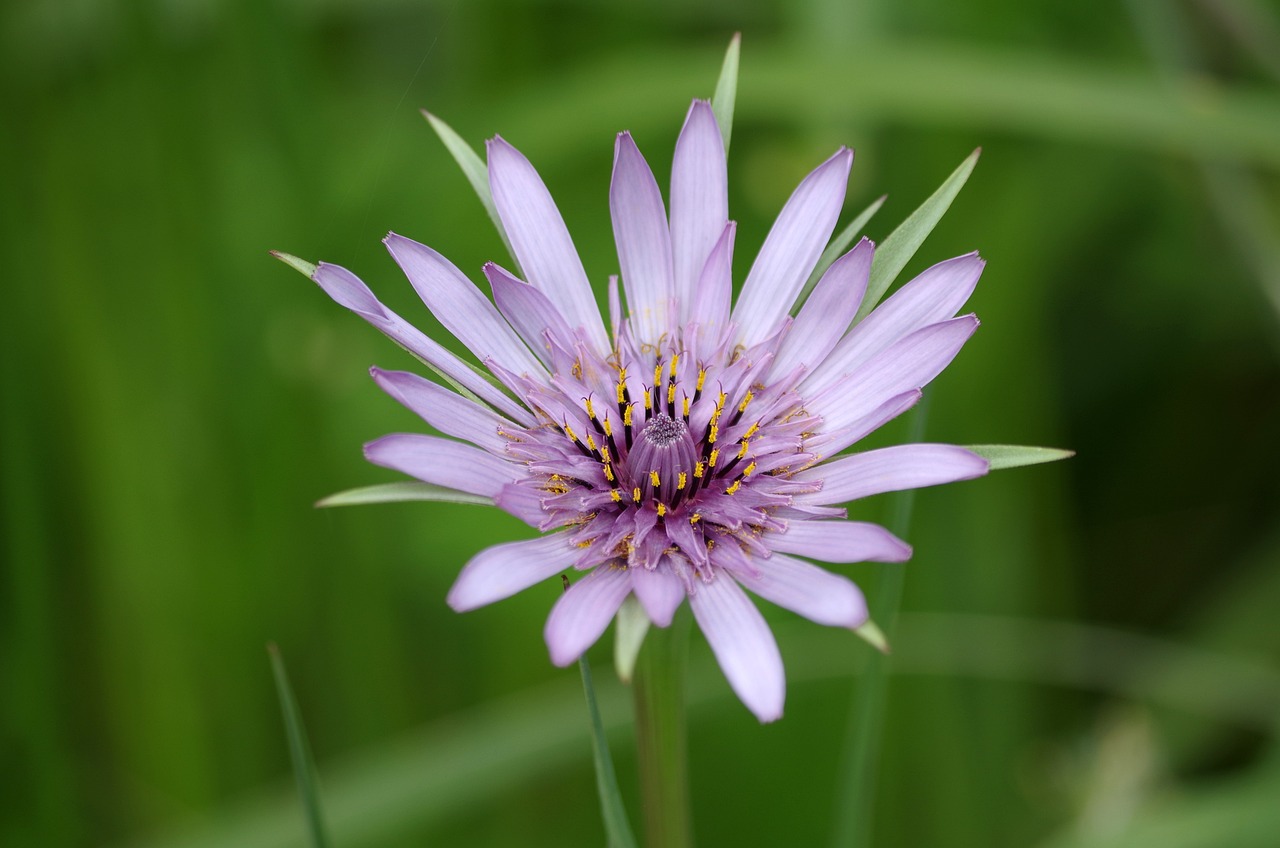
(686,409)
(626,414)
(655,479)
(742,451)
(662,509)
(577,368)
(695,518)
(702,378)
(715,431)
(622,387)
(648,401)
(675,358)
(591,410)
(591,441)
(751,431)
(635,494)
(720,401)
(683,480)
(616,496)
(586,544)
(608,427)
(608,472)
(671,392)
(568,431)
(657,374)
(733,490)
(699,470)
(711,460)
(742,407)
(746,472)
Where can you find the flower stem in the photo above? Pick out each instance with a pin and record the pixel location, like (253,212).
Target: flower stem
(660,736)
(856,783)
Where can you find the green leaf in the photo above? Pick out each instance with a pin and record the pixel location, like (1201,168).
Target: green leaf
(1013,456)
(631,626)
(477,173)
(304,768)
(896,250)
(837,247)
(727,90)
(616,825)
(403,491)
(302,266)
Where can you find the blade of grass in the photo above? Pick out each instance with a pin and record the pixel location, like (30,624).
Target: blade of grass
(856,780)
(304,770)
(612,809)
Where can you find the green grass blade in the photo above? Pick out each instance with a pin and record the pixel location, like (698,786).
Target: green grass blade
(616,825)
(477,173)
(838,246)
(1015,456)
(727,90)
(897,250)
(400,492)
(304,769)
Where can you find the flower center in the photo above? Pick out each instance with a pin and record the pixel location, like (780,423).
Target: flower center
(663,431)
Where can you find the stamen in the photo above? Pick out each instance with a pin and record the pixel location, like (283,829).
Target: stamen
(608,472)
(699,470)
(742,451)
(746,472)
(591,411)
(685,413)
(662,509)
(742,407)
(711,460)
(616,495)
(635,494)
(733,489)
(683,480)
(654,479)
(695,518)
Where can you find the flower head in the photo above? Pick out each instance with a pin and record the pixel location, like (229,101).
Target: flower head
(691,447)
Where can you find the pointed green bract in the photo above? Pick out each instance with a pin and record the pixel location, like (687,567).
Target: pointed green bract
(399,492)
(477,173)
(1015,456)
(839,245)
(632,625)
(302,266)
(873,636)
(304,769)
(896,251)
(727,90)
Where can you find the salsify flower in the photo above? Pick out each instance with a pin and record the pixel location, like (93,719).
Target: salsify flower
(690,447)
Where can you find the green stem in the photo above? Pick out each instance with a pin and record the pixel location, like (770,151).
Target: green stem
(660,736)
(856,785)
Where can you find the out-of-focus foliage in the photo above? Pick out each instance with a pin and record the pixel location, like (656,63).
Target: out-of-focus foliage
(1088,651)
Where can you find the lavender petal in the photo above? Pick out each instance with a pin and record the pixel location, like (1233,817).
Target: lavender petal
(444,462)
(503,570)
(841,541)
(743,645)
(804,588)
(582,613)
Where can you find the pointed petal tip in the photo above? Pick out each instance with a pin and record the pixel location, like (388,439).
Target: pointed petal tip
(302,266)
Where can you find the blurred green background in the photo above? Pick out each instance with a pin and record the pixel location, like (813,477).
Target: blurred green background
(1088,653)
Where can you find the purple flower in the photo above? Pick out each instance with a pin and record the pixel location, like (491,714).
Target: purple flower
(690,448)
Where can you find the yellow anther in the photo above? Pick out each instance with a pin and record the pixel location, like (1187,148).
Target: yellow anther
(577,368)
(686,409)
(695,518)
(591,441)
(655,479)
(626,415)
(616,495)
(568,431)
(671,392)
(657,374)
(635,494)
(720,401)
(711,460)
(699,470)
(648,401)
(622,387)
(608,472)
(751,431)
(591,410)
(742,407)
(742,451)
(586,543)
(675,358)
(733,489)
(702,378)
(715,432)
(683,480)
(746,472)
(608,427)
(662,509)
